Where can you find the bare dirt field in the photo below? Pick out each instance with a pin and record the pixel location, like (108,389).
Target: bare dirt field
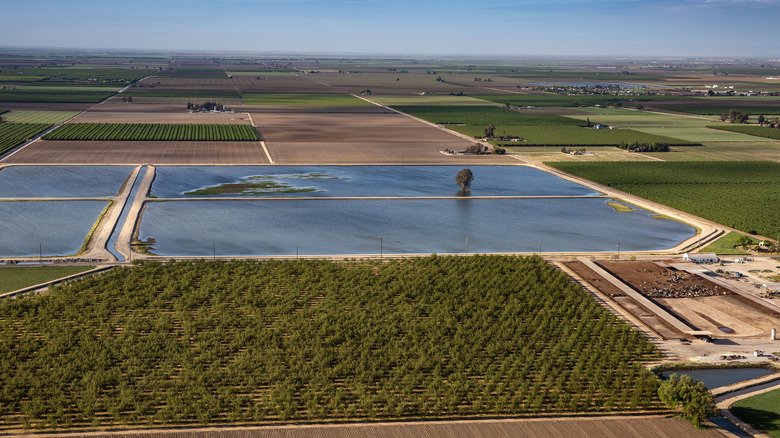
(359,138)
(162,83)
(641,313)
(605,427)
(693,299)
(294,83)
(335,153)
(182,116)
(140,152)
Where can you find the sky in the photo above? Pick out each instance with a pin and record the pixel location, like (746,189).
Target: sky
(621,28)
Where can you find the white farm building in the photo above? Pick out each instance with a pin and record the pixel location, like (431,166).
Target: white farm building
(705,257)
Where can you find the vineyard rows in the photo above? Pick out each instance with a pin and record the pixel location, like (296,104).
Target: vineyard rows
(213,342)
(739,194)
(153,132)
(13,134)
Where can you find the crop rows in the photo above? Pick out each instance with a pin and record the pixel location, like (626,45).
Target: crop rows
(757,131)
(212,342)
(571,101)
(46,94)
(533,129)
(739,194)
(153,132)
(12,134)
(482,116)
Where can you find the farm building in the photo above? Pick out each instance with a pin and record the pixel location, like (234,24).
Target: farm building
(705,257)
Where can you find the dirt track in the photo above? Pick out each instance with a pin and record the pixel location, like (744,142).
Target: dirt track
(583,427)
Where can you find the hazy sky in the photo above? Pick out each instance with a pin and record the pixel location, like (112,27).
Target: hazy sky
(726,28)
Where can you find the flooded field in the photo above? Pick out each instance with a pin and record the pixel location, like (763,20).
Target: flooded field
(357,181)
(326,227)
(53,228)
(62,181)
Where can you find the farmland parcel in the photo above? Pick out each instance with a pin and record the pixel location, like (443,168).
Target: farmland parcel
(217,342)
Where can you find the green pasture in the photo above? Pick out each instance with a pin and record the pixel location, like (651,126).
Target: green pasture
(756,131)
(578,136)
(693,129)
(542,154)
(740,194)
(303,100)
(18,277)
(723,151)
(479,117)
(762,411)
(725,245)
(436,100)
(570,101)
(718,109)
(216,94)
(54,94)
(48,117)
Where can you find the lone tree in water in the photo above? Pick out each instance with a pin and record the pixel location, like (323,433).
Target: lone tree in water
(464,178)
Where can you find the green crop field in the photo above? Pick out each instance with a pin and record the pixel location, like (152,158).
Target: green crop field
(572,136)
(726,245)
(17,277)
(53,94)
(213,342)
(303,100)
(535,129)
(482,116)
(739,194)
(217,94)
(569,101)
(153,132)
(13,134)
(693,129)
(73,74)
(718,109)
(762,411)
(430,100)
(757,131)
(48,117)
(723,151)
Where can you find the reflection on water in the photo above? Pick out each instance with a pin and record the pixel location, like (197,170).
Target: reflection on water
(192,228)
(55,227)
(717,377)
(358,181)
(62,181)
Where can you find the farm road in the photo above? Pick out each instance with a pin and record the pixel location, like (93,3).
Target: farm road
(97,247)
(123,242)
(658,426)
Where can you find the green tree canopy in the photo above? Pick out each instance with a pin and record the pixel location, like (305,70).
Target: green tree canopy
(464,178)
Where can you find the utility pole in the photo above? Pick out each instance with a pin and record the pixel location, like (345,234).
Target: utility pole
(381,249)
(618,255)
(467,245)
(215,250)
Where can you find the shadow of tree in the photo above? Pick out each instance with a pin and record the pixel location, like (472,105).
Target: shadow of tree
(765,420)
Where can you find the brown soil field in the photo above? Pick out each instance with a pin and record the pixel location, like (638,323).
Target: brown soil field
(182,116)
(412,83)
(641,313)
(358,138)
(654,281)
(585,427)
(295,83)
(334,153)
(695,300)
(140,152)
